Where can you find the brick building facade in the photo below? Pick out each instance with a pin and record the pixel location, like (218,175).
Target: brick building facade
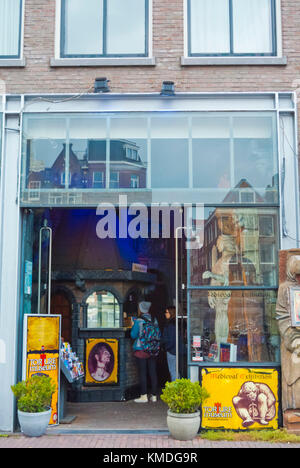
(226,139)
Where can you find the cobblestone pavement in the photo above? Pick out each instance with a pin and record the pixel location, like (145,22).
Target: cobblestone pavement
(106,441)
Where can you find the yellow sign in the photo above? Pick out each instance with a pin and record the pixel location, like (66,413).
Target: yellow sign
(101,361)
(42,352)
(240,398)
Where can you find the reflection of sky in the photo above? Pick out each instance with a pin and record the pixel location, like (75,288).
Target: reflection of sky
(169,162)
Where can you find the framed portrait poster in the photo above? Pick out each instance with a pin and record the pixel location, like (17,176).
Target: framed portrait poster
(295,306)
(101,361)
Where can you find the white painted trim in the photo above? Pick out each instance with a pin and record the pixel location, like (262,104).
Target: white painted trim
(237,61)
(12,63)
(22,33)
(57,29)
(103,62)
(279,29)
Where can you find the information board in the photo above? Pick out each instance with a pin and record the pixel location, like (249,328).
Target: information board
(41,352)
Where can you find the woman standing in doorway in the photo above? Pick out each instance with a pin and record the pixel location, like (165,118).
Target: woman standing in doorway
(169,340)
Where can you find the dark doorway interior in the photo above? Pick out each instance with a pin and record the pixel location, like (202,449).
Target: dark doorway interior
(60,305)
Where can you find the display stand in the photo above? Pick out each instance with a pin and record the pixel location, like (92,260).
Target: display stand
(68,375)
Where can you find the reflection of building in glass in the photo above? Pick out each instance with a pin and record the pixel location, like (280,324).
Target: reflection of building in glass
(127,169)
(253,233)
(238,251)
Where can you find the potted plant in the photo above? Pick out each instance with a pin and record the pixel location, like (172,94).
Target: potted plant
(183,398)
(34,404)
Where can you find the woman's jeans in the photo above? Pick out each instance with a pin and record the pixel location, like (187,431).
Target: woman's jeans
(150,365)
(171,358)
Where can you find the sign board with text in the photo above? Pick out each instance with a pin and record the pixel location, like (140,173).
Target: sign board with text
(41,352)
(240,398)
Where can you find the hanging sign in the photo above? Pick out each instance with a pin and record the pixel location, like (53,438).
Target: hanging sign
(41,352)
(101,365)
(240,398)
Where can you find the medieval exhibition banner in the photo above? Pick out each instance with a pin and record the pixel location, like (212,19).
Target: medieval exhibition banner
(101,361)
(41,352)
(240,398)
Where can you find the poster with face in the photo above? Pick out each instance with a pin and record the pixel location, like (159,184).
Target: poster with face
(101,361)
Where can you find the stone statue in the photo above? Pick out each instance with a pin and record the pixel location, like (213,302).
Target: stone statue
(290,339)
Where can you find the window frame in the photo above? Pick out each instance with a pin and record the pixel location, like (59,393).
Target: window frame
(275,35)
(19,56)
(102,182)
(63,55)
(116,302)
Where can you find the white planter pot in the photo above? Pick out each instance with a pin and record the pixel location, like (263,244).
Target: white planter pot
(183,426)
(34,424)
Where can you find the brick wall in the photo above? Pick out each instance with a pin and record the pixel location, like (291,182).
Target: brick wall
(168,44)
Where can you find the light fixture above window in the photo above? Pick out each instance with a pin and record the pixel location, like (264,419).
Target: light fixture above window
(168,88)
(101,85)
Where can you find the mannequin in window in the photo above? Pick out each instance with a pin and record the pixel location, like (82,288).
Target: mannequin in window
(219,275)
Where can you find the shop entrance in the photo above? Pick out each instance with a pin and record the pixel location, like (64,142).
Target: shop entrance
(60,305)
(96,285)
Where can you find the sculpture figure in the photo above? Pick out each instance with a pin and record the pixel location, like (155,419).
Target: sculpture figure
(219,275)
(290,339)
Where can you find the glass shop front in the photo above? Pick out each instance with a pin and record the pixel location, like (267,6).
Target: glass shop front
(228,163)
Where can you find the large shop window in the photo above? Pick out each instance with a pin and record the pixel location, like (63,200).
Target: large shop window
(104,28)
(232,27)
(221,157)
(1,130)
(232,282)
(103,310)
(10,28)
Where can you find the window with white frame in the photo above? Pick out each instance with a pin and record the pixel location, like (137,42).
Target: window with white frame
(104,28)
(10,28)
(134,181)
(232,27)
(98,179)
(114,180)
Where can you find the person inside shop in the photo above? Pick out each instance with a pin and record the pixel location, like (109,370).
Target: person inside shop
(169,340)
(146,362)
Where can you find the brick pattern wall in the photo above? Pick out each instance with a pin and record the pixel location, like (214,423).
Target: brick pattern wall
(168,47)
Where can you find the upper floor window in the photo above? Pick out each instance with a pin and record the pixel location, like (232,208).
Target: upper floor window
(104,28)
(10,28)
(232,27)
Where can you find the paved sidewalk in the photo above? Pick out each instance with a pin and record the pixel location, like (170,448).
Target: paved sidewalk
(111,441)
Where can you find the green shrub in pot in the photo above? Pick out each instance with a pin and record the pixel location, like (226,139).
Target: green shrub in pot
(34,403)
(34,395)
(183,398)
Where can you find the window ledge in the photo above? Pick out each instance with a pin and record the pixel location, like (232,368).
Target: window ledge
(225,61)
(103,62)
(12,62)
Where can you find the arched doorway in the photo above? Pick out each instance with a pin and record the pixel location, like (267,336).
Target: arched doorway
(61,305)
